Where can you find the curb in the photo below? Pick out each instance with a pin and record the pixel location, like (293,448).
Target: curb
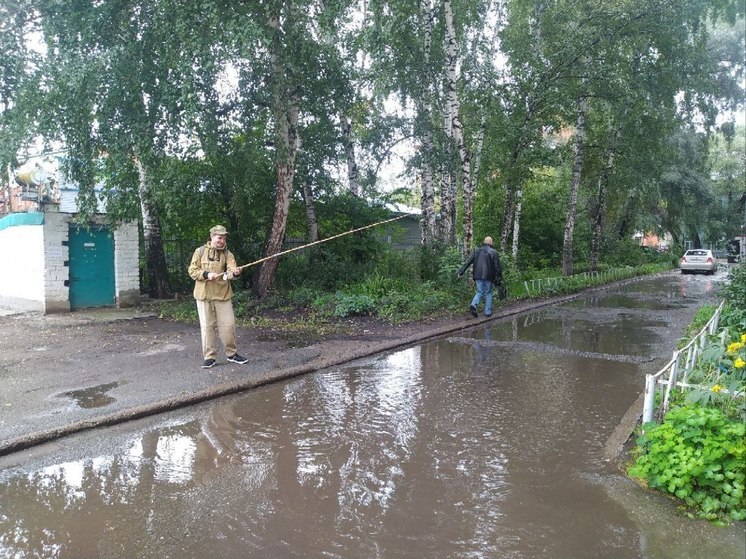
(615,443)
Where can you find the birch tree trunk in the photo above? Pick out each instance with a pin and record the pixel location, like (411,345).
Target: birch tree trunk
(473,178)
(349,147)
(509,202)
(598,213)
(447,180)
(454,124)
(517,222)
(567,257)
(516,195)
(478,152)
(285,171)
(313,226)
(155,257)
(447,206)
(285,110)
(514,188)
(427,202)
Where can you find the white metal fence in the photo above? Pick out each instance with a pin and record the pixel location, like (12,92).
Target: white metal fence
(682,363)
(538,286)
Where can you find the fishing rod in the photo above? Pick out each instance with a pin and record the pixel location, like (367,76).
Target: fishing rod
(255,262)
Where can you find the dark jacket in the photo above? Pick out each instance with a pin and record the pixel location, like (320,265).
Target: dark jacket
(486,265)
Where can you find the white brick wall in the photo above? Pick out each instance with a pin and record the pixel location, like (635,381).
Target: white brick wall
(37,276)
(56,232)
(22,278)
(127,264)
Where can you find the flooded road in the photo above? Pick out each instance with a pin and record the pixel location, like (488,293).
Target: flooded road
(487,444)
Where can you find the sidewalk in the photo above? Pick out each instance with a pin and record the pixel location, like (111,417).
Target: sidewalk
(67,373)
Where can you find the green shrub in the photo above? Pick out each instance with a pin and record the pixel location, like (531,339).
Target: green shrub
(720,373)
(699,456)
(377,286)
(348,305)
(432,258)
(419,300)
(734,292)
(301,297)
(242,303)
(448,263)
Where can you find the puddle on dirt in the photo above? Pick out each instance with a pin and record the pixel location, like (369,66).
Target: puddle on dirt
(93,397)
(444,450)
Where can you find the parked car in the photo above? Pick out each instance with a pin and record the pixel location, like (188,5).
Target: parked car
(698,260)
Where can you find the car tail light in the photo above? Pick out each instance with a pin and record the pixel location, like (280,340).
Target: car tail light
(709,260)
(683,258)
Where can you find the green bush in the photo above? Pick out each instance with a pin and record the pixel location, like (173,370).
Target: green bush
(734,292)
(348,305)
(419,300)
(433,258)
(627,252)
(301,296)
(698,455)
(720,377)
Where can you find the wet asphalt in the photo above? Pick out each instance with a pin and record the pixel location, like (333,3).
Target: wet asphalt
(64,374)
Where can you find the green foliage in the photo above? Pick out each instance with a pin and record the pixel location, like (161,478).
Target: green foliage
(552,282)
(353,304)
(734,315)
(543,220)
(698,452)
(701,317)
(394,292)
(628,252)
(301,297)
(720,373)
(420,300)
(332,265)
(698,455)
(184,310)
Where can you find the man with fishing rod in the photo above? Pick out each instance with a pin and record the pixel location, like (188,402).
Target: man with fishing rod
(486,271)
(212,268)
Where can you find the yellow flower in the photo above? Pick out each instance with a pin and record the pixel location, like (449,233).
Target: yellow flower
(717,388)
(739,364)
(743,338)
(735,346)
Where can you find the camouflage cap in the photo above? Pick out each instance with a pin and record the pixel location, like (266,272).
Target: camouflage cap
(218,230)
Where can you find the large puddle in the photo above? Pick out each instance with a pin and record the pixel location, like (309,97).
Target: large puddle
(484,445)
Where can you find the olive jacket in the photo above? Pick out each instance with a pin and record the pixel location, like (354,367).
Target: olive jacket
(207,259)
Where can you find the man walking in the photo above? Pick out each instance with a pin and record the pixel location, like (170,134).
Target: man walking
(212,267)
(486,271)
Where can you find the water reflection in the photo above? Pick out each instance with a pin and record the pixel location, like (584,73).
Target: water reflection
(491,448)
(93,397)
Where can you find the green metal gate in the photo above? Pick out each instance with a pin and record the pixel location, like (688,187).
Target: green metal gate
(91,267)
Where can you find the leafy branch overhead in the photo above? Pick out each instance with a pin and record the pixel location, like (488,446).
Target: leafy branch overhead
(560,128)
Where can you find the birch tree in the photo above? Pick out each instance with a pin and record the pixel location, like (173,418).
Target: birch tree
(577,169)
(599,206)
(284,103)
(113,87)
(454,133)
(423,101)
